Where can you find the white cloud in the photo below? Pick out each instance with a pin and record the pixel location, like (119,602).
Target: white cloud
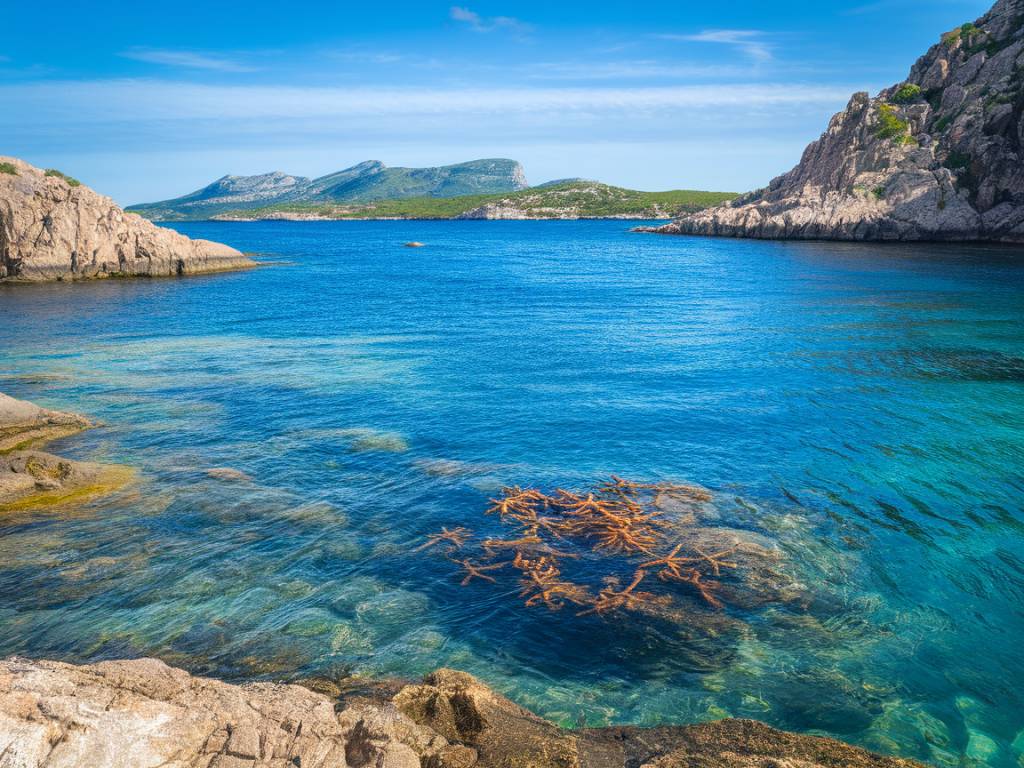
(186,59)
(140,100)
(751,42)
(478,23)
(632,69)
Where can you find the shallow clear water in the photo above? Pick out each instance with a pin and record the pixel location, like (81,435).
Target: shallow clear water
(857,410)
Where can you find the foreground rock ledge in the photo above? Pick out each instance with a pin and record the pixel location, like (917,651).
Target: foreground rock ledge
(939,157)
(55,229)
(128,714)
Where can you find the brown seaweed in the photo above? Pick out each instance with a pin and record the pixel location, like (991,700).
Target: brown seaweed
(615,525)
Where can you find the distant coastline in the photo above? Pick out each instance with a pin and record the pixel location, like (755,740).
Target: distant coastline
(569,200)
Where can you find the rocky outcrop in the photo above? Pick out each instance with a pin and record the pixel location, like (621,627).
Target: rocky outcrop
(938,157)
(30,478)
(52,228)
(23,424)
(123,714)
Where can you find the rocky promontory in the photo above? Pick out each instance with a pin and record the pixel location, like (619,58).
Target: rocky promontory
(939,156)
(130,714)
(53,228)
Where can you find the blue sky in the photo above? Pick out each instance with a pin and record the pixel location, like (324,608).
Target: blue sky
(144,103)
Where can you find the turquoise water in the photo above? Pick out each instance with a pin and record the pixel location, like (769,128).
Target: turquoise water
(857,413)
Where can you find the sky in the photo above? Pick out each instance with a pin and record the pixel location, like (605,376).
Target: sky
(145,102)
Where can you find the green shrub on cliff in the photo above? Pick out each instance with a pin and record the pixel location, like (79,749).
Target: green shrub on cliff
(907,93)
(965,31)
(71,181)
(890,125)
(8,168)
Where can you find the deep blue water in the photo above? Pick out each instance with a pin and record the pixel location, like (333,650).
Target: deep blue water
(856,410)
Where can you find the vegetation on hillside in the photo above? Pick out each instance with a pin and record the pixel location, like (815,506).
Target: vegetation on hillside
(566,200)
(891,126)
(907,93)
(9,169)
(71,181)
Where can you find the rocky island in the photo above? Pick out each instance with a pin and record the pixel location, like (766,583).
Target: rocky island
(564,200)
(362,183)
(142,712)
(54,228)
(937,157)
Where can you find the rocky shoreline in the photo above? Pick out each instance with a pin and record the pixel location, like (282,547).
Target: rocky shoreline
(54,228)
(144,713)
(30,478)
(503,214)
(939,157)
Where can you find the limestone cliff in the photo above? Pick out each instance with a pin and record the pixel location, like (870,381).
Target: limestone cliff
(128,714)
(52,228)
(937,157)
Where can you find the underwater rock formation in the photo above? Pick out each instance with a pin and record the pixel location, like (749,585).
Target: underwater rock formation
(30,478)
(54,228)
(144,713)
(937,157)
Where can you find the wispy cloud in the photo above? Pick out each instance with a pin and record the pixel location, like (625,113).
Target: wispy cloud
(367,57)
(750,42)
(478,23)
(642,69)
(141,100)
(187,60)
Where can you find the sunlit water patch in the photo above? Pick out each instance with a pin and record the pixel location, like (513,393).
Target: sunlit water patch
(302,430)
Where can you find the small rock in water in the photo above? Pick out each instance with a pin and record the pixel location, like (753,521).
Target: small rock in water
(227,473)
(414,244)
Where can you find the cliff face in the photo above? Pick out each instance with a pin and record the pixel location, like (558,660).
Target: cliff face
(143,713)
(55,229)
(938,157)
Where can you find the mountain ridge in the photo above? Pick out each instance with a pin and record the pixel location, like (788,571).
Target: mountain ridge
(361,183)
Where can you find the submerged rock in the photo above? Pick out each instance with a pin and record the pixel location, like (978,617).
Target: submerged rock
(53,228)
(229,474)
(144,713)
(937,157)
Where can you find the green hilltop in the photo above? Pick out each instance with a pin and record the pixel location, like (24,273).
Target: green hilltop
(564,200)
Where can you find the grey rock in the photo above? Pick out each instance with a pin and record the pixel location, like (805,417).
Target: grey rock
(53,230)
(950,167)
